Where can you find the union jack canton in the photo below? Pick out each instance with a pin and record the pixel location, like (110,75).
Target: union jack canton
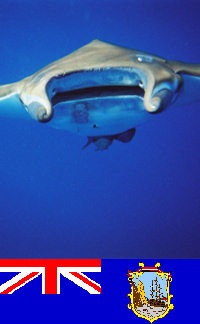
(51,269)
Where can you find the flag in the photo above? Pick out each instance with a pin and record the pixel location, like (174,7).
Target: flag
(77,305)
(51,271)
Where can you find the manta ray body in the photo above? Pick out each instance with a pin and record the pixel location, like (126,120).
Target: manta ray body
(102,91)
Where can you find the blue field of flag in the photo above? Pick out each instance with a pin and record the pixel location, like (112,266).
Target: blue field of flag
(76,304)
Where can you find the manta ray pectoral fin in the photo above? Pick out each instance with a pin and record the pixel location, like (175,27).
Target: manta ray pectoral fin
(185,68)
(10,104)
(190,74)
(16,99)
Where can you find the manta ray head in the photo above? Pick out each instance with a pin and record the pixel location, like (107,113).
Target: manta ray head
(102,91)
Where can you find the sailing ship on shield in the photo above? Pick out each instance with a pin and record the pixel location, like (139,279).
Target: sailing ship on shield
(150,296)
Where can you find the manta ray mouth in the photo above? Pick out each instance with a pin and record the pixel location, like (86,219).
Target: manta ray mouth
(94,84)
(97,92)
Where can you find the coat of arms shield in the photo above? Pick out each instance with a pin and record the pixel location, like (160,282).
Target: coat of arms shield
(150,296)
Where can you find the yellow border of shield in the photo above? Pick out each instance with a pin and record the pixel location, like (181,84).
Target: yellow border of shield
(168,281)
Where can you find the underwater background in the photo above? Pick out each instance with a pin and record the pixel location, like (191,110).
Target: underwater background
(135,200)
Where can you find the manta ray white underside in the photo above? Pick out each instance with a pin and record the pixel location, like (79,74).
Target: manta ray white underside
(102,91)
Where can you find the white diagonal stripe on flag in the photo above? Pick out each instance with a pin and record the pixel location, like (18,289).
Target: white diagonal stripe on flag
(17,282)
(82,281)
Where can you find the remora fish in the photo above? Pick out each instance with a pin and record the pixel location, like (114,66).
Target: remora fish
(102,91)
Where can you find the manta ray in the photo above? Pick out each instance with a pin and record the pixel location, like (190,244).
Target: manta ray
(102,91)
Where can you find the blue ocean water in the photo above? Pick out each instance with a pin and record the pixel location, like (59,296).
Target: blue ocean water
(139,200)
